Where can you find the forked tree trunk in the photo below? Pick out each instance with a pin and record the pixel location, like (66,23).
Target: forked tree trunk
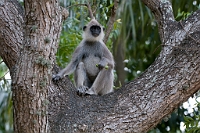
(137,107)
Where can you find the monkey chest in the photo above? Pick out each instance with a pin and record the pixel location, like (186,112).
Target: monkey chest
(90,64)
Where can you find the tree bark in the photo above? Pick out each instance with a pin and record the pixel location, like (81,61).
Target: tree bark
(11,33)
(137,107)
(111,20)
(119,57)
(32,40)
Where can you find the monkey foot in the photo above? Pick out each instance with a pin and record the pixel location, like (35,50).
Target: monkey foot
(90,92)
(56,78)
(81,91)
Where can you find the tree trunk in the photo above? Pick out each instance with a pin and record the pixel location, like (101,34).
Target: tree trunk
(119,57)
(137,107)
(34,54)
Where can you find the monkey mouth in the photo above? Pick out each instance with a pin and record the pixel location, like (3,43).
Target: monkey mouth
(95,34)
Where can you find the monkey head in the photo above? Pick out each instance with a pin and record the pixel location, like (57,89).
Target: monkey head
(93,31)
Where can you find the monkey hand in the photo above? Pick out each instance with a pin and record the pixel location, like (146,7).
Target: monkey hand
(56,77)
(100,66)
(81,91)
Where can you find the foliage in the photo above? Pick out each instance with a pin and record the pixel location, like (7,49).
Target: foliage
(139,33)
(6,112)
(137,29)
(3,69)
(192,123)
(72,28)
(189,122)
(68,41)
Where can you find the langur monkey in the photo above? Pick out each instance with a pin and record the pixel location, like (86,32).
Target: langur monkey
(92,63)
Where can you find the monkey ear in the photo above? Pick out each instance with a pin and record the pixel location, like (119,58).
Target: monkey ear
(103,28)
(84,27)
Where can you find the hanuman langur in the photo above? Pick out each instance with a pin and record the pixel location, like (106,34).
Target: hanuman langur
(92,63)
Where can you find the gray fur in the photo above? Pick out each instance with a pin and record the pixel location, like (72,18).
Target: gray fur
(91,52)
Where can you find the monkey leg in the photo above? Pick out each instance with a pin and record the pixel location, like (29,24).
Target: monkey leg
(103,83)
(81,79)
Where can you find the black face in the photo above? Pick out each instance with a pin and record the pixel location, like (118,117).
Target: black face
(95,30)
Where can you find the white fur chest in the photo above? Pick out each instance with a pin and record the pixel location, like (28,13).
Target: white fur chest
(90,65)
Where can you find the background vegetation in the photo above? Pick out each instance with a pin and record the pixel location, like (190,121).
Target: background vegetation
(135,33)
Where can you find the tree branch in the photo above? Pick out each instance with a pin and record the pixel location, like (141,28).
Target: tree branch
(4,75)
(140,104)
(164,15)
(11,31)
(111,20)
(90,10)
(76,5)
(137,107)
(65,13)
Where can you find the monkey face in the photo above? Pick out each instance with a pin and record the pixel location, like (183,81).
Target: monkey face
(95,30)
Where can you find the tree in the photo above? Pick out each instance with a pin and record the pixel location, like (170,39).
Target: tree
(31,38)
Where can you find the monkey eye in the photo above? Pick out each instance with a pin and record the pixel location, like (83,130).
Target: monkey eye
(84,27)
(95,27)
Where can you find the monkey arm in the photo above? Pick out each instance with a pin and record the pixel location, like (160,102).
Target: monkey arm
(66,71)
(106,60)
(71,67)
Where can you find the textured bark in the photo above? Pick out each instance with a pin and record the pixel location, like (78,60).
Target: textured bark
(32,76)
(11,31)
(137,107)
(31,57)
(140,104)
(119,57)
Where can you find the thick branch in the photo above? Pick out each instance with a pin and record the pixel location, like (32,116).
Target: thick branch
(137,107)
(162,9)
(11,31)
(140,104)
